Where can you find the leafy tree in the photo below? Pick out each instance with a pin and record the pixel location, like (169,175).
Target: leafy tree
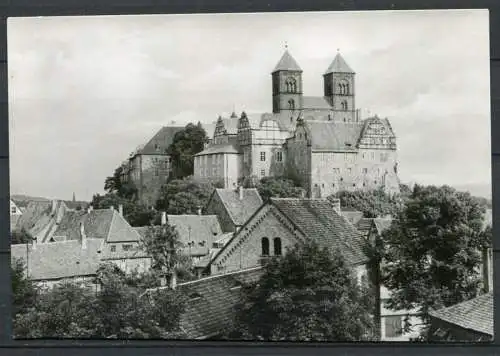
(164,246)
(278,187)
(114,184)
(309,294)
(118,310)
(24,292)
(185,145)
(432,251)
(21,237)
(185,196)
(135,213)
(372,203)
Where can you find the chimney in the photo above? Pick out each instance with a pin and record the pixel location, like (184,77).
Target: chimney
(240,191)
(54,206)
(120,209)
(199,210)
(163,218)
(336,204)
(83,236)
(173,279)
(34,242)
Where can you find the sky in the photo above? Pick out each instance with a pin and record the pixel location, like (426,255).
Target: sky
(84,92)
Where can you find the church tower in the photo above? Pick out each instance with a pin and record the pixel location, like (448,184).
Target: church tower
(287,85)
(339,89)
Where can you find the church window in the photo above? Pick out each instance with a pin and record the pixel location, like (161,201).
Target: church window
(365,170)
(265,246)
(291,104)
(262,156)
(347,89)
(277,246)
(279,156)
(113,248)
(291,85)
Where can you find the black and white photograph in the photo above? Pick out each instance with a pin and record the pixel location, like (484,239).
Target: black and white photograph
(293,176)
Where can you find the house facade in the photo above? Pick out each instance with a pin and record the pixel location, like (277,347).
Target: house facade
(322,141)
(284,222)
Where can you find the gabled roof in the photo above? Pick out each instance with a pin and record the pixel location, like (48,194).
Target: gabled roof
(353,216)
(97,224)
(475,314)
(210,302)
(333,136)
(198,230)
(160,142)
(58,260)
(318,220)
(239,210)
(287,63)
(339,65)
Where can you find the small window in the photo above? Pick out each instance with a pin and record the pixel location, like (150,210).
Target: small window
(279,156)
(365,170)
(393,326)
(262,156)
(113,248)
(265,246)
(13,210)
(262,172)
(277,246)
(127,247)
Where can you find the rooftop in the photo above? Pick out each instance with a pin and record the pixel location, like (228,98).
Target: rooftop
(287,63)
(240,210)
(196,232)
(339,65)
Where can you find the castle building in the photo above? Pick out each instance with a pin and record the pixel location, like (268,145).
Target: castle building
(321,141)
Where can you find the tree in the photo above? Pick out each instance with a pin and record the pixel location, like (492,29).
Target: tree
(164,246)
(21,237)
(135,213)
(120,309)
(24,291)
(309,294)
(433,250)
(278,187)
(185,196)
(114,184)
(185,145)
(372,203)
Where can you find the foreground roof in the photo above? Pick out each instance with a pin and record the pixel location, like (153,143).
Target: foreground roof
(240,210)
(210,302)
(56,260)
(317,219)
(475,314)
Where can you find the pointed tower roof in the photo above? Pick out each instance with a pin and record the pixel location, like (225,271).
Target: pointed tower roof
(339,65)
(287,63)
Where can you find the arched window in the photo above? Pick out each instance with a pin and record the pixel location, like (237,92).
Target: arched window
(277,246)
(291,85)
(265,246)
(291,104)
(344,105)
(347,91)
(340,89)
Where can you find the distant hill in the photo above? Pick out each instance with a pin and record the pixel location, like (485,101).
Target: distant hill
(23,201)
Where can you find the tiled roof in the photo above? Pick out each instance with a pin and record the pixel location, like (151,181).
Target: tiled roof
(475,314)
(317,219)
(59,259)
(120,253)
(41,217)
(121,231)
(382,224)
(339,65)
(97,224)
(160,141)
(353,216)
(287,62)
(365,225)
(229,148)
(315,102)
(199,230)
(210,302)
(333,136)
(240,210)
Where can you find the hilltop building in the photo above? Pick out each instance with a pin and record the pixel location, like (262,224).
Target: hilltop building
(321,141)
